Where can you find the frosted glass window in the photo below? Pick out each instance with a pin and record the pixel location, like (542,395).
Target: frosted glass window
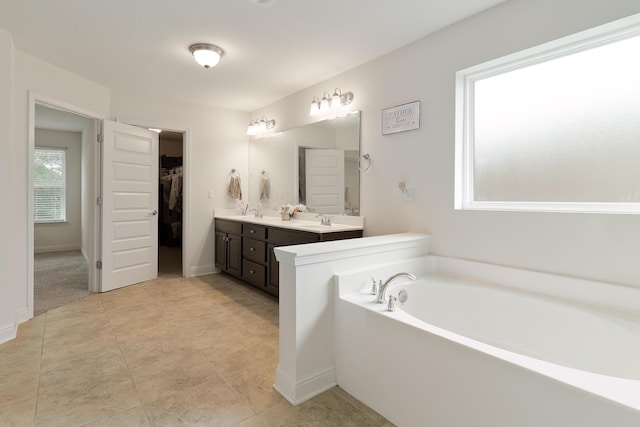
(558,130)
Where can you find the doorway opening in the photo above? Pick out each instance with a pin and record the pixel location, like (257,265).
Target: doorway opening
(170,203)
(61,182)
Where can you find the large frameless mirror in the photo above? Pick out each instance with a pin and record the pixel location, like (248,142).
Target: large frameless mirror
(315,165)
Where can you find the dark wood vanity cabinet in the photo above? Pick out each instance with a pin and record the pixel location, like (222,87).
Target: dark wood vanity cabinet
(257,262)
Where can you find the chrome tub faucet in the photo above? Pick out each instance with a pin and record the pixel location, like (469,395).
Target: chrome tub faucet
(382,290)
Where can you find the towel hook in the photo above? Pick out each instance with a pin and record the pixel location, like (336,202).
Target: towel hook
(367,158)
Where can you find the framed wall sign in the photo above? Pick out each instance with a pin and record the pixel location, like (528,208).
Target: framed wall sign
(401,118)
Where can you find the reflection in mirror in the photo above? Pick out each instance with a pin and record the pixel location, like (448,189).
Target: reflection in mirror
(316,165)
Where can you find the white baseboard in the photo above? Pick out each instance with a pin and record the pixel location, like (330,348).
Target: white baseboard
(56,248)
(202,270)
(8,332)
(23,315)
(299,390)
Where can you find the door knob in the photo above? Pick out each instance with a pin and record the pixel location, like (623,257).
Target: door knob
(154,212)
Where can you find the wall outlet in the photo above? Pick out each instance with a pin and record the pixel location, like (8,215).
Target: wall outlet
(210,193)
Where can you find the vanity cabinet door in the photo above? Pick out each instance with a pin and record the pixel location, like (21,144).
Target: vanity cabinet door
(221,251)
(228,252)
(234,261)
(228,257)
(274,272)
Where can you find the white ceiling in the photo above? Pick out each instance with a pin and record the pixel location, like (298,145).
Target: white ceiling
(273,48)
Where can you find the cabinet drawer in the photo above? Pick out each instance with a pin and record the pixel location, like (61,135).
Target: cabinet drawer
(291,237)
(254,231)
(232,227)
(254,250)
(254,273)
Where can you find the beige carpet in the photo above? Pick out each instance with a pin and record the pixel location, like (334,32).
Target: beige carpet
(62,277)
(59,278)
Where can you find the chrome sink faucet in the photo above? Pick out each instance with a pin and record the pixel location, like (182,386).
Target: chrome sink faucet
(382,290)
(324,219)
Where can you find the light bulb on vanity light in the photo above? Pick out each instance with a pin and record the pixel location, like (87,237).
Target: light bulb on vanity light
(252,129)
(336,101)
(315,107)
(324,103)
(262,125)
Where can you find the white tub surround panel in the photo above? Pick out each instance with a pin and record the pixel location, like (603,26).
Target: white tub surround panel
(306,366)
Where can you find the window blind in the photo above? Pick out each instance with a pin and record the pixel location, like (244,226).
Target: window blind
(49,185)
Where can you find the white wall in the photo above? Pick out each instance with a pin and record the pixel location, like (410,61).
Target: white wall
(48,81)
(64,236)
(8,285)
(215,143)
(602,247)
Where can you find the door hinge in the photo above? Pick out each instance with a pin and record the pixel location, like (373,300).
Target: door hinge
(100,137)
(99,201)
(99,265)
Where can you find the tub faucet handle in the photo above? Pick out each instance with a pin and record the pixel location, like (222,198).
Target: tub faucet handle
(391,305)
(374,286)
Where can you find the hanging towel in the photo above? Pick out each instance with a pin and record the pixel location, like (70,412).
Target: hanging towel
(234,187)
(265,187)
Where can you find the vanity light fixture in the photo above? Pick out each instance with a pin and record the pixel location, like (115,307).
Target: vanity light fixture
(205,54)
(258,127)
(330,104)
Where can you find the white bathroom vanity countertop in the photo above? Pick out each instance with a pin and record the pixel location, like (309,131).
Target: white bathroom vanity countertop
(307,222)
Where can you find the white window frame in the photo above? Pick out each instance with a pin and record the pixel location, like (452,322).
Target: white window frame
(464,116)
(63,210)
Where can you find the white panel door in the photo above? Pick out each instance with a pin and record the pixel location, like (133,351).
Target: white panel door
(325,180)
(129,205)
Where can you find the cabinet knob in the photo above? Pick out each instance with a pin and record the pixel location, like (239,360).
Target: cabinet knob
(252,231)
(252,249)
(251,271)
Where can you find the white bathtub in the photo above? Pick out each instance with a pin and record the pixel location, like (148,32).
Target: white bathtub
(467,352)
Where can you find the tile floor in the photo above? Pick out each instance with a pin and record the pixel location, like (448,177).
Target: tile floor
(196,351)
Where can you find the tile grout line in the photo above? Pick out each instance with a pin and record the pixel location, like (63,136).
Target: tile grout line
(115,336)
(44,333)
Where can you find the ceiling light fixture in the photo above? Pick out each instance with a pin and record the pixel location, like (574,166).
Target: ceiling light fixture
(258,127)
(205,54)
(330,104)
